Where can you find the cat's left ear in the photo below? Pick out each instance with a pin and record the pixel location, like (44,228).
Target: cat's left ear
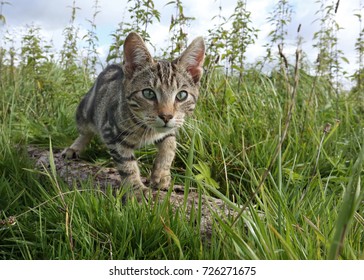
(136,54)
(192,59)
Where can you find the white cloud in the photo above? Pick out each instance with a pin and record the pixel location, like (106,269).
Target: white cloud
(53,16)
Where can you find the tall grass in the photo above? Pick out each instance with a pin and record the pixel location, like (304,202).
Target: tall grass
(223,151)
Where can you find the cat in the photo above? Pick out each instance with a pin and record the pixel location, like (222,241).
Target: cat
(140,102)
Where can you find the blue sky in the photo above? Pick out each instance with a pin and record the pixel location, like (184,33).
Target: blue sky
(53,16)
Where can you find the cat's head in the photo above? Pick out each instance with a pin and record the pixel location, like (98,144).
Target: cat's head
(161,93)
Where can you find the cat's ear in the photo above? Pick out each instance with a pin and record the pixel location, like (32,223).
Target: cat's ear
(136,54)
(192,58)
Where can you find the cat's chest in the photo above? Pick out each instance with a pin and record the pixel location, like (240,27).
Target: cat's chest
(151,137)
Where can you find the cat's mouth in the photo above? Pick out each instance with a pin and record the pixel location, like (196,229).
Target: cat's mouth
(165,128)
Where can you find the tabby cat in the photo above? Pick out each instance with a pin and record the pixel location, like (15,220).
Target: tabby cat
(140,102)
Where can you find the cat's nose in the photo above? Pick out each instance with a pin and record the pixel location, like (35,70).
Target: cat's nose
(165,117)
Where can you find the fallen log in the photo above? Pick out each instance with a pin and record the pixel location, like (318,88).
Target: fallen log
(76,171)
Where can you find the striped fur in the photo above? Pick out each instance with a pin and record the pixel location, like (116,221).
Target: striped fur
(140,102)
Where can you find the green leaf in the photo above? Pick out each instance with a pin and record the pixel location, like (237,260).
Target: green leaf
(205,174)
(169,3)
(345,60)
(174,237)
(2,19)
(351,201)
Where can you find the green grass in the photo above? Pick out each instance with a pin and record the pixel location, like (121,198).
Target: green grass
(309,206)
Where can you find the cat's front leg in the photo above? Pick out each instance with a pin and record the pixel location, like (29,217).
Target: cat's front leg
(161,173)
(127,167)
(78,145)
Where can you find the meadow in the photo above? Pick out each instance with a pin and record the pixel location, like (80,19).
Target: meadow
(287,145)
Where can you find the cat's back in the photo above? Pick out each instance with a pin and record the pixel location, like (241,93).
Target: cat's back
(111,72)
(104,92)
(110,78)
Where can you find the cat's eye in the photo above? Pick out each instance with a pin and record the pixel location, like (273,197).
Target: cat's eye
(182,95)
(149,94)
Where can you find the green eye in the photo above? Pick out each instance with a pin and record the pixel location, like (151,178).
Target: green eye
(182,95)
(149,94)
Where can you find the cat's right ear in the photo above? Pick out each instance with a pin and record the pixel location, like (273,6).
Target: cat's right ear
(136,54)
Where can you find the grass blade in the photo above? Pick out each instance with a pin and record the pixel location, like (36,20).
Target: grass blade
(351,200)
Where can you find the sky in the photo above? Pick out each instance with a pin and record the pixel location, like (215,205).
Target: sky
(52,16)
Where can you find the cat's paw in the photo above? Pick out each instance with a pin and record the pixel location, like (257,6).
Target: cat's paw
(161,181)
(70,153)
(139,192)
